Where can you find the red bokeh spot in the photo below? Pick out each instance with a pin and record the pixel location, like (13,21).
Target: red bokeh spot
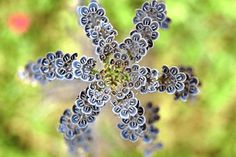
(19,22)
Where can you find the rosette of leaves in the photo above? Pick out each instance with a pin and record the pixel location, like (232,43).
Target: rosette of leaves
(120,78)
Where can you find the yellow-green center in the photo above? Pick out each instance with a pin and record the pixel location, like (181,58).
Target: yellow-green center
(114,76)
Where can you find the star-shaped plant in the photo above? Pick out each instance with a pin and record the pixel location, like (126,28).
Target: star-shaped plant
(121,77)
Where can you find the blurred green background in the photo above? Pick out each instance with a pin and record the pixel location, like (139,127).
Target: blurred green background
(202,35)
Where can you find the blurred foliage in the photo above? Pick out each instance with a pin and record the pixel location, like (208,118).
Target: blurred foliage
(202,35)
